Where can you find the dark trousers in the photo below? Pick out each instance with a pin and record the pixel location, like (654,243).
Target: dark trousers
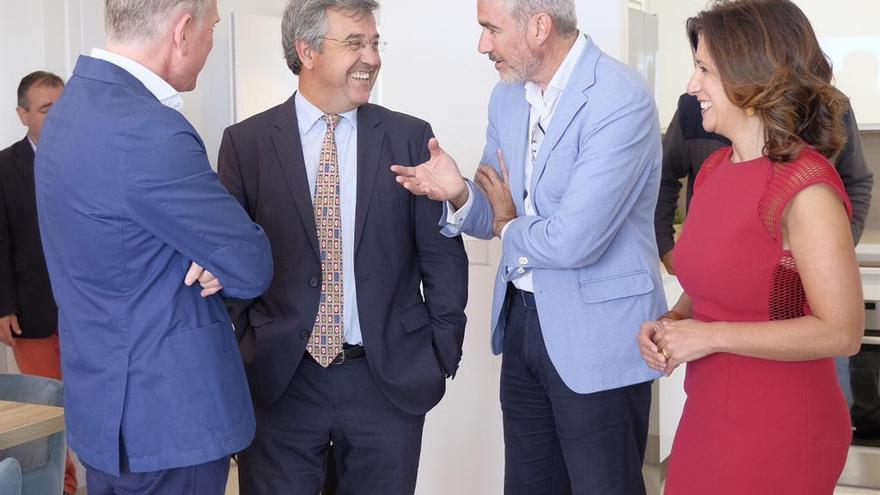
(203,479)
(376,446)
(559,442)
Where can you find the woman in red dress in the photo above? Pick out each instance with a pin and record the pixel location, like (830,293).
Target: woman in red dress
(766,260)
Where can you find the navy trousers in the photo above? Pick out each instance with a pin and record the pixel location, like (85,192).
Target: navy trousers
(203,479)
(559,442)
(376,446)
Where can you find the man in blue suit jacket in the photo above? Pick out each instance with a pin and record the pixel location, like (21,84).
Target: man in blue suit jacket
(579,262)
(131,216)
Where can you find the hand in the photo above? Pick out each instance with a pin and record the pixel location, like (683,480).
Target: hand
(497,190)
(8,325)
(667,262)
(650,352)
(683,341)
(210,284)
(438,178)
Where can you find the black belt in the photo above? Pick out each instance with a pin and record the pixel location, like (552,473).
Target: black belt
(348,352)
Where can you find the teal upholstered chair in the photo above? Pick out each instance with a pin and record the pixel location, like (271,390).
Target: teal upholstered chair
(10,476)
(42,460)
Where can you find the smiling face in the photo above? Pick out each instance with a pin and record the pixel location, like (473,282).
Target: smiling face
(720,115)
(505,44)
(341,76)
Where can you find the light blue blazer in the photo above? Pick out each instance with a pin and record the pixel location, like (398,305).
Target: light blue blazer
(591,247)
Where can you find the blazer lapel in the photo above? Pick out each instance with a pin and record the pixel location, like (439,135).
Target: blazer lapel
(288,147)
(370,139)
(24,162)
(570,103)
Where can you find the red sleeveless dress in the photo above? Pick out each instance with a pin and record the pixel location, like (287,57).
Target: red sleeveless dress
(753,426)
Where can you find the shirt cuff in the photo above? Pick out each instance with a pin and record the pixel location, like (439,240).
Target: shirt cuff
(456,217)
(504,229)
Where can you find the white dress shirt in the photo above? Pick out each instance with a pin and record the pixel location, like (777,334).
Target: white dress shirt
(163,91)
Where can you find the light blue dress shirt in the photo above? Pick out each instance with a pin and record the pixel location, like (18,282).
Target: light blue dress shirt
(311,132)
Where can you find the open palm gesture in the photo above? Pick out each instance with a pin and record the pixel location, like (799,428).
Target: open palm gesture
(438,178)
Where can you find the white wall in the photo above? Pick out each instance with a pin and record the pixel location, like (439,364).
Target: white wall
(209,107)
(51,34)
(848,33)
(432,70)
(22,50)
(843,27)
(606,22)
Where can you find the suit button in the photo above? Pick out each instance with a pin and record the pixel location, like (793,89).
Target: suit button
(313,281)
(305,335)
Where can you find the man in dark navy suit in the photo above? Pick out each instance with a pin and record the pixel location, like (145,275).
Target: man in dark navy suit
(364,319)
(28,315)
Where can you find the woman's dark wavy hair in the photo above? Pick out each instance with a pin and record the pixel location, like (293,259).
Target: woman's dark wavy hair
(768,58)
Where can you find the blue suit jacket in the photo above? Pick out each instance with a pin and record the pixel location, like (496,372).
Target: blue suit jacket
(591,246)
(126,200)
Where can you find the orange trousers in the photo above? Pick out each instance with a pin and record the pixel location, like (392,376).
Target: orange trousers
(42,357)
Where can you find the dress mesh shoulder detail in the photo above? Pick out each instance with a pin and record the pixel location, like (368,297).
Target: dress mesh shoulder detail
(709,166)
(787,297)
(787,179)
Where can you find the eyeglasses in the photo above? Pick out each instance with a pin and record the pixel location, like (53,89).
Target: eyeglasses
(358,45)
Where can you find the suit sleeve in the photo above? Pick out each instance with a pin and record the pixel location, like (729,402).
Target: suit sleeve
(856,176)
(673,169)
(172,192)
(619,152)
(444,266)
(229,171)
(8,297)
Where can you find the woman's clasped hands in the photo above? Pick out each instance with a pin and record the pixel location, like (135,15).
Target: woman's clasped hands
(666,343)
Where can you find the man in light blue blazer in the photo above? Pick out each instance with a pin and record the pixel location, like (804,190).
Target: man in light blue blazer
(140,239)
(579,271)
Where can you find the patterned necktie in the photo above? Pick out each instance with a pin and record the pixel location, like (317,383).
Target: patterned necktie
(326,339)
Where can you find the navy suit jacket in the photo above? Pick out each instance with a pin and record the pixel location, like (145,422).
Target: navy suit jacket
(24,281)
(412,340)
(127,200)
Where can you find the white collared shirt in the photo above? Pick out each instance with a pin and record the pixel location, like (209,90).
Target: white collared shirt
(163,91)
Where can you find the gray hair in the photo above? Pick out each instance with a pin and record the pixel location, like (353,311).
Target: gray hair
(141,20)
(306,20)
(561,11)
